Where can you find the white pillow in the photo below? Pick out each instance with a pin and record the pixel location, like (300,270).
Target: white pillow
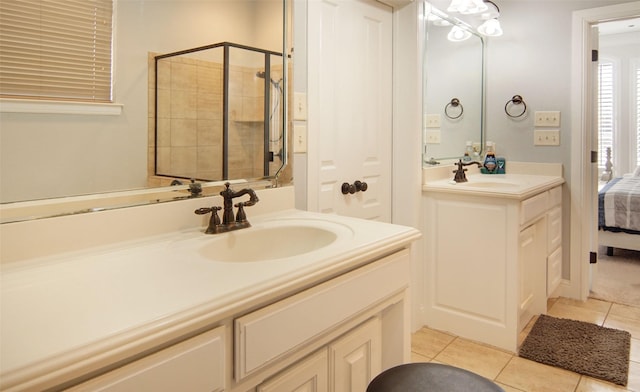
(637,172)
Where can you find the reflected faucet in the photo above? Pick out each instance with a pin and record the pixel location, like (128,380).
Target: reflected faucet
(229,222)
(460,176)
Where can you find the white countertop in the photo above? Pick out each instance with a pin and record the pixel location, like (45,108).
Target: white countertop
(509,186)
(56,312)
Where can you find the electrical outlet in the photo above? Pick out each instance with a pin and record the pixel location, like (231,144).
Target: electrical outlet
(433,136)
(300,106)
(432,121)
(547,137)
(547,119)
(299,138)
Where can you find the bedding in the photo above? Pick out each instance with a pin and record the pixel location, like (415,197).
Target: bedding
(619,205)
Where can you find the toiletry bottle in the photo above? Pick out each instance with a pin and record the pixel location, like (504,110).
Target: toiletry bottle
(490,162)
(467,152)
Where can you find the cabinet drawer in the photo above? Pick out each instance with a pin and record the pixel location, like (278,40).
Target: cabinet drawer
(533,207)
(267,334)
(195,365)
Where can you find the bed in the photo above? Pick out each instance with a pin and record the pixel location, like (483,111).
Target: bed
(619,213)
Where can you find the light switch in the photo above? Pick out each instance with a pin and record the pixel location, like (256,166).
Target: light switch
(433,136)
(547,119)
(300,106)
(546,137)
(432,121)
(299,138)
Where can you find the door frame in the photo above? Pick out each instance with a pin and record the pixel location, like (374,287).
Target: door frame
(582,198)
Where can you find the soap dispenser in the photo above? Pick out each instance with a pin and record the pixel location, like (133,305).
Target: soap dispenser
(468,152)
(490,162)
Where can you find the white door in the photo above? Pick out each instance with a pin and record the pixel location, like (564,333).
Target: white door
(350,106)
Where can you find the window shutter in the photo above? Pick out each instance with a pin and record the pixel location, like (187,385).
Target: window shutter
(638,115)
(605,112)
(56,49)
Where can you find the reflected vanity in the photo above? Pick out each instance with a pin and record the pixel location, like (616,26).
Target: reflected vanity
(86,163)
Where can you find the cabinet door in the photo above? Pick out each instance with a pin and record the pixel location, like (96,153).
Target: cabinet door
(310,375)
(532,257)
(356,358)
(555,229)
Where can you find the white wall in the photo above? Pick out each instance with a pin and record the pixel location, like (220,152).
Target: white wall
(49,155)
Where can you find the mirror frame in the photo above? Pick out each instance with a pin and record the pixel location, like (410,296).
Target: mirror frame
(19,211)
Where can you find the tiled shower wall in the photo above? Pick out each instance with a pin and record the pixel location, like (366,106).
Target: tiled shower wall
(190,122)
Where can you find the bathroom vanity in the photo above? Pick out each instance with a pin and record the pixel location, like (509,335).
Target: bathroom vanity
(298,299)
(493,248)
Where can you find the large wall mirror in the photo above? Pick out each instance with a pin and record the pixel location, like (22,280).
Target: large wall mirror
(453,76)
(56,155)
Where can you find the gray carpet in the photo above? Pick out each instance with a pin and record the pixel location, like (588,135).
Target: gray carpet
(581,347)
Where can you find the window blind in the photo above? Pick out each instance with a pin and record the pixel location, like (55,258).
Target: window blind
(605,111)
(56,49)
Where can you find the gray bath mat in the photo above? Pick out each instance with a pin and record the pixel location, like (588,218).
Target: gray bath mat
(581,347)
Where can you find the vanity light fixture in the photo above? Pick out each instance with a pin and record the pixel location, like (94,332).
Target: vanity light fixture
(491,26)
(467,7)
(487,10)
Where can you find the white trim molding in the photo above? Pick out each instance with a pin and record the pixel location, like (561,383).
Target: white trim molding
(11,105)
(581,145)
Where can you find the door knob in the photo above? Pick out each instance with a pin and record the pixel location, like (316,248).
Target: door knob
(358,186)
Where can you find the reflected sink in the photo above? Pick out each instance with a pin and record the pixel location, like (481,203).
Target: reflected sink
(277,240)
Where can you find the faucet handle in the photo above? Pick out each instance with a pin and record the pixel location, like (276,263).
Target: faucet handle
(206,210)
(240,215)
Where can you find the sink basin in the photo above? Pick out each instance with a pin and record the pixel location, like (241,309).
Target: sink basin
(491,184)
(277,240)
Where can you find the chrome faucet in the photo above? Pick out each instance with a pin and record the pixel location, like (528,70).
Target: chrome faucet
(460,176)
(229,222)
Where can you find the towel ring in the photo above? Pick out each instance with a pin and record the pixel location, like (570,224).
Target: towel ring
(516,100)
(455,102)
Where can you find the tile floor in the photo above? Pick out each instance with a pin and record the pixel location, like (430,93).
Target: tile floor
(513,373)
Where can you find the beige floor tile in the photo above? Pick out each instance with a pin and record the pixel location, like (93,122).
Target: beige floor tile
(582,313)
(415,357)
(532,376)
(627,324)
(588,384)
(429,342)
(634,377)
(626,311)
(635,350)
(478,358)
(509,389)
(590,303)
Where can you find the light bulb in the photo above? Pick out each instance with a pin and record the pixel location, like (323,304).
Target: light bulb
(490,28)
(473,7)
(458,34)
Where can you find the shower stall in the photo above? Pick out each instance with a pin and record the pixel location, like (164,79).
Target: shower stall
(218,113)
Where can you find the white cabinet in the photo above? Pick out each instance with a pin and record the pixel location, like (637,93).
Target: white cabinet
(310,375)
(329,337)
(356,358)
(195,365)
(491,262)
(348,363)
